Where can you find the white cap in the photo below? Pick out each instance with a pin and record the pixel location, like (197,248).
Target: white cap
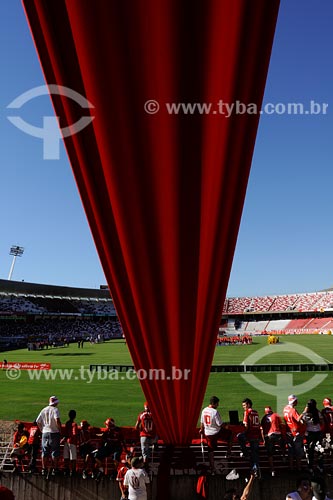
(291,399)
(53,400)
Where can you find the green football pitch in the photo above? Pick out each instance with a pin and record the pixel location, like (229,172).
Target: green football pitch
(121,398)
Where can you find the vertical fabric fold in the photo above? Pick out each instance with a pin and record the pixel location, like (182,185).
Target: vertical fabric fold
(163,192)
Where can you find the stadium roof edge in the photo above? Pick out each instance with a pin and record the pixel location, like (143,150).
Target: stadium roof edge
(23,287)
(278,294)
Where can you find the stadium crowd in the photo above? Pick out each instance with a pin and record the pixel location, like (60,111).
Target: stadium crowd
(308,434)
(57,331)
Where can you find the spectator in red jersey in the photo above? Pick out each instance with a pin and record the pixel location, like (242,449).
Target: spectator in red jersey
(20,444)
(34,445)
(295,432)
(70,441)
(271,428)
(86,447)
(213,429)
(112,443)
(251,435)
(148,438)
(121,476)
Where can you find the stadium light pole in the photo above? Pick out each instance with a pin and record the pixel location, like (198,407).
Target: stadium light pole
(16,251)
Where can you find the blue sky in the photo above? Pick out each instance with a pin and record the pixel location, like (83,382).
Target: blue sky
(286,239)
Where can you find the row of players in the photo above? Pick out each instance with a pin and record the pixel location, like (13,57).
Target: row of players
(299,433)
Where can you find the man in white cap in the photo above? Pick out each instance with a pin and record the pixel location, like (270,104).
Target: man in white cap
(295,431)
(49,423)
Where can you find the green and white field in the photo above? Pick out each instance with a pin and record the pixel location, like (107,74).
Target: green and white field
(95,400)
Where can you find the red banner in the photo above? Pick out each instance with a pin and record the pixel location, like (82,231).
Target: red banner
(25,366)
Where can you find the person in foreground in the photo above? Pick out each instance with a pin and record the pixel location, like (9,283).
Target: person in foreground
(303,490)
(136,480)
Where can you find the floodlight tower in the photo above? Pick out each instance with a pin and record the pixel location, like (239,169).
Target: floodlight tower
(16,251)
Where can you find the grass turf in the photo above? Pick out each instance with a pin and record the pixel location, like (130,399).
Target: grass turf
(97,400)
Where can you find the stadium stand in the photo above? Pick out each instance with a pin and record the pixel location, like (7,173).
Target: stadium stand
(283,303)
(278,324)
(53,315)
(329,325)
(325,301)
(255,326)
(317,323)
(306,302)
(261,303)
(12,303)
(301,302)
(309,325)
(95,306)
(32,312)
(238,305)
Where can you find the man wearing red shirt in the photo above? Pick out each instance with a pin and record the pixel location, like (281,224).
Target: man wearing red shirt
(70,444)
(112,443)
(251,435)
(295,431)
(34,445)
(121,476)
(146,426)
(271,428)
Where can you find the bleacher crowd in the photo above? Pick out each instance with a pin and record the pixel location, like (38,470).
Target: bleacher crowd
(295,436)
(93,452)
